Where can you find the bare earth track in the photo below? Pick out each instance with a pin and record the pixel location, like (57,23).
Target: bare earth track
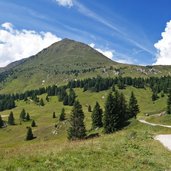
(165,139)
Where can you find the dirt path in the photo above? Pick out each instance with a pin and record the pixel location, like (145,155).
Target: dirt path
(153,124)
(165,139)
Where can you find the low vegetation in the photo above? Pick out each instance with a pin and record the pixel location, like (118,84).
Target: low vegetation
(49,148)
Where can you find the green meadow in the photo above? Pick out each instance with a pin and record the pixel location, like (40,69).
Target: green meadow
(132,148)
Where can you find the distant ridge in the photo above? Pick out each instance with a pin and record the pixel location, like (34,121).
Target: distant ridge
(66,60)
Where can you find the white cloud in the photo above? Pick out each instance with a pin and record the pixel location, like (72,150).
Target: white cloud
(163,47)
(17,44)
(65,3)
(107,53)
(7,26)
(114,55)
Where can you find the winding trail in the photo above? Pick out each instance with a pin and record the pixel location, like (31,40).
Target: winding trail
(165,139)
(153,124)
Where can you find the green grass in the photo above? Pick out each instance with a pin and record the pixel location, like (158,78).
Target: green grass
(132,148)
(165,119)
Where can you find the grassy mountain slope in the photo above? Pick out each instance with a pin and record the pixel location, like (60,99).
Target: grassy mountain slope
(66,60)
(133,148)
(60,62)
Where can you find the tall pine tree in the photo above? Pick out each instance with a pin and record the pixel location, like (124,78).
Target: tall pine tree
(71,97)
(41,102)
(11,119)
(77,128)
(23,115)
(62,115)
(133,106)
(123,110)
(27,117)
(29,135)
(97,116)
(89,108)
(111,117)
(115,112)
(53,115)
(33,124)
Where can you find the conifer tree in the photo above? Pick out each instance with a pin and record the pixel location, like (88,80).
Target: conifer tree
(109,116)
(97,116)
(62,115)
(65,100)
(169,103)
(117,110)
(89,108)
(133,106)
(27,117)
(54,115)
(77,128)
(154,96)
(23,115)
(123,111)
(1,122)
(33,124)
(41,102)
(71,97)
(11,119)
(29,135)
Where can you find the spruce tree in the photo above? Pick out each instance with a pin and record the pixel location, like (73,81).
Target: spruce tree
(11,119)
(41,102)
(23,115)
(65,100)
(1,122)
(117,110)
(62,115)
(77,128)
(97,116)
(71,97)
(114,115)
(54,115)
(89,108)
(27,117)
(123,110)
(169,103)
(133,106)
(33,124)
(29,135)
(109,115)
(154,96)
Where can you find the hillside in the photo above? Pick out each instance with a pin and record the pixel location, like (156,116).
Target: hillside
(58,63)
(67,60)
(132,148)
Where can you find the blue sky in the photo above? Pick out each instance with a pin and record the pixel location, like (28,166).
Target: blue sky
(126,30)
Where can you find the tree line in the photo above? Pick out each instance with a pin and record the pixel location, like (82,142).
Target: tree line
(6,102)
(96,84)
